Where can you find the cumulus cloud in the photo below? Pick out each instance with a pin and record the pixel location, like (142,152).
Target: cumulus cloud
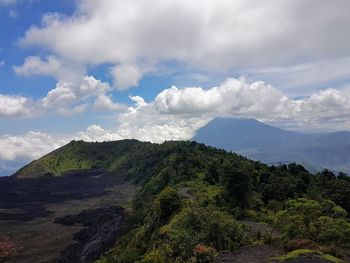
(235,97)
(104,102)
(32,145)
(67,98)
(176,114)
(126,76)
(14,106)
(216,36)
(191,107)
(52,66)
(28,146)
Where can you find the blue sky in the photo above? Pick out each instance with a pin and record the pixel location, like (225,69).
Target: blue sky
(155,71)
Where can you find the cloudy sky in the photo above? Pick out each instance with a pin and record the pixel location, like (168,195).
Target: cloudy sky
(159,69)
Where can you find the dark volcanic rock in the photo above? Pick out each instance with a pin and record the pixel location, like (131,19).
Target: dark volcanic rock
(103,227)
(26,199)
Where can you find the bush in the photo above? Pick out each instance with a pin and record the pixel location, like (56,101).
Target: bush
(332,231)
(204,254)
(207,226)
(168,202)
(155,256)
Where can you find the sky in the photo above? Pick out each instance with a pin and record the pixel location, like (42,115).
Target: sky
(160,69)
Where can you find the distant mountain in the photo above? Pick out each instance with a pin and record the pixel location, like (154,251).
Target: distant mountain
(272,145)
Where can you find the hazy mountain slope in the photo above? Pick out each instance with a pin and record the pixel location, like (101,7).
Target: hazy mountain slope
(238,134)
(268,144)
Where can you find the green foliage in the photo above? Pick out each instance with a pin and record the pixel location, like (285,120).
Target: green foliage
(236,184)
(207,226)
(204,254)
(155,256)
(164,225)
(307,219)
(332,230)
(168,202)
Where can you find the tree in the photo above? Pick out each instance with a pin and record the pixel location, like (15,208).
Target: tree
(168,202)
(212,174)
(339,192)
(237,185)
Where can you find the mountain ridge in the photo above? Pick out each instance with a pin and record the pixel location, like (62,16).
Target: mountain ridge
(182,202)
(259,141)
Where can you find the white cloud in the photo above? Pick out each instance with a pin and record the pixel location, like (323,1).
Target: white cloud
(14,106)
(34,65)
(69,98)
(126,76)
(33,145)
(176,114)
(2,63)
(236,97)
(28,146)
(192,107)
(96,133)
(104,102)
(216,36)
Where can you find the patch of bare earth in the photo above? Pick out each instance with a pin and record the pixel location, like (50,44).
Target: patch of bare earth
(251,254)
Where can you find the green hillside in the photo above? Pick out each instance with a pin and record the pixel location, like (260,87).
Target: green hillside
(78,155)
(195,201)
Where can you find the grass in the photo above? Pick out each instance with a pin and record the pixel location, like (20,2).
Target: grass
(299,252)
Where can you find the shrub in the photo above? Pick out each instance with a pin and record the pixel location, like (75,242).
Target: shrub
(168,202)
(155,256)
(204,254)
(207,226)
(332,231)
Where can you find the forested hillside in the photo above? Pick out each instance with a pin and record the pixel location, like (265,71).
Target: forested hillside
(195,201)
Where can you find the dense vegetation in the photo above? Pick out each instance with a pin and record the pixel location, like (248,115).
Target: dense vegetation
(192,199)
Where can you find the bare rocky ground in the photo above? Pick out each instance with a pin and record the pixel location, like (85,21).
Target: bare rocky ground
(29,208)
(251,254)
